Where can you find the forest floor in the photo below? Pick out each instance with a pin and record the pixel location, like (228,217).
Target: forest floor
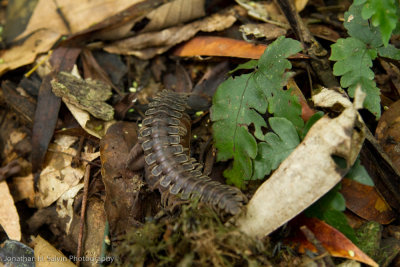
(200,133)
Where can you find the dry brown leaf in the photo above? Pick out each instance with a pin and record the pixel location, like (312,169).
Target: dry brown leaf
(47,256)
(174,13)
(58,175)
(259,30)
(94,235)
(40,37)
(300,4)
(264,11)
(64,205)
(324,32)
(365,201)
(17,56)
(392,71)
(336,243)
(84,120)
(388,133)
(15,136)
(79,15)
(9,218)
(148,45)
(23,188)
(298,183)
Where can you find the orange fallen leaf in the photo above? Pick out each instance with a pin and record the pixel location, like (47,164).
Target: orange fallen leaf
(223,47)
(306,110)
(336,243)
(365,201)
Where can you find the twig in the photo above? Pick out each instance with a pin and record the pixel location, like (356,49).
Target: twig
(319,61)
(83,211)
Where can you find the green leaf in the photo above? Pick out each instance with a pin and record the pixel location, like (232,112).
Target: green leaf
(251,64)
(276,148)
(354,64)
(360,28)
(389,51)
(271,75)
(359,174)
(339,221)
(235,106)
(239,102)
(382,14)
(330,209)
(314,118)
(332,200)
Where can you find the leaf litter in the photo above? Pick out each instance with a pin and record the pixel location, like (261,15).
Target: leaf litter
(279,138)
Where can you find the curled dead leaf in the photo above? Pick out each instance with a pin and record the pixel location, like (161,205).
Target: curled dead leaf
(147,45)
(298,183)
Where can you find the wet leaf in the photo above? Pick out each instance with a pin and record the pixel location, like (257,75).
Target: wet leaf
(333,241)
(365,201)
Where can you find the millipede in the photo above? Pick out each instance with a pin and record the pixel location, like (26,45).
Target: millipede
(168,165)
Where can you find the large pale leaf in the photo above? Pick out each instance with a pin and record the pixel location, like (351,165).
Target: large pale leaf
(298,183)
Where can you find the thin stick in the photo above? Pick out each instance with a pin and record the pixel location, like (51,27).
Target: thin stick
(83,211)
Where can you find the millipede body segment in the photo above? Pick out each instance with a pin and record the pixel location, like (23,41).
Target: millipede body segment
(168,164)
